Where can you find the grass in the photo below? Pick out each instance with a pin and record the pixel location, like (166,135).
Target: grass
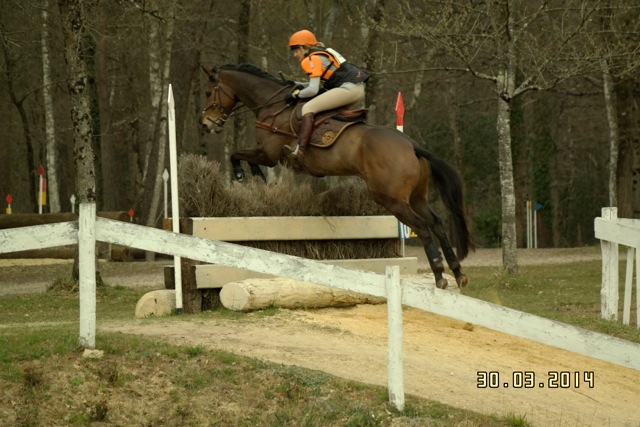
(146,382)
(569,293)
(141,381)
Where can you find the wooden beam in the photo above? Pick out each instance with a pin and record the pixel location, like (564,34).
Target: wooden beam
(295,228)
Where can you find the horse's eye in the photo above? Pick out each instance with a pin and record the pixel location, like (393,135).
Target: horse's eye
(208,94)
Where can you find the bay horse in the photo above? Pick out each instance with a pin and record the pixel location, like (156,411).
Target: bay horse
(395,168)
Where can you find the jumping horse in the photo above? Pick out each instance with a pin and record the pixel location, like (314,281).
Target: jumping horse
(395,168)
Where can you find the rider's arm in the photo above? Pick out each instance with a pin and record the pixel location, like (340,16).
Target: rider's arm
(312,89)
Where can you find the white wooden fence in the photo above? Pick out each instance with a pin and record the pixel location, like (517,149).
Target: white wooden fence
(612,232)
(90,229)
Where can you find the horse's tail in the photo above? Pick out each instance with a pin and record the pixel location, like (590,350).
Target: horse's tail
(449,185)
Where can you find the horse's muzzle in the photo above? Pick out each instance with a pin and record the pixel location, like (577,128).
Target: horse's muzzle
(211,126)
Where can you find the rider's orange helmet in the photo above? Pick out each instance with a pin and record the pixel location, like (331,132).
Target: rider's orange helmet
(303,38)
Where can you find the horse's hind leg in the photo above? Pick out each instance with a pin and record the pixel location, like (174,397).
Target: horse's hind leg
(452,260)
(434,257)
(420,225)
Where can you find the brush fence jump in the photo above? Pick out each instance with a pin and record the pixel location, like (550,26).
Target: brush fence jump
(244,229)
(612,232)
(90,229)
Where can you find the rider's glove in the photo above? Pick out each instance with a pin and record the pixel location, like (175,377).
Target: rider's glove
(292,97)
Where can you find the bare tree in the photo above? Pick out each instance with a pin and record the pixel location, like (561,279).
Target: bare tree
(18,96)
(74,26)
(50,125)
(517,47)
(619,42)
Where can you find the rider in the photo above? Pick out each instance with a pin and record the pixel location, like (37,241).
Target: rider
(344,83)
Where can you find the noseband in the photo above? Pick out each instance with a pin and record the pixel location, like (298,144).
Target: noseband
(216,105)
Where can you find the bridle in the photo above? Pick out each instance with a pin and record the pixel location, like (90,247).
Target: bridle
(225,113)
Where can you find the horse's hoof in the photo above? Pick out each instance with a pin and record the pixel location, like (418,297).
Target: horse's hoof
(290,153)
(462,281)
(442,283)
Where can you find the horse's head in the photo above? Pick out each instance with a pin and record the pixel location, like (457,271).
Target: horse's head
(220,102)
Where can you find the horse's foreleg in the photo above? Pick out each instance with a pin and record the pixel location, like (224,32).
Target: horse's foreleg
(238,172)
(254,156)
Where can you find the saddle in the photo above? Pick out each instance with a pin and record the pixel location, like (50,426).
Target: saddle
(329,125)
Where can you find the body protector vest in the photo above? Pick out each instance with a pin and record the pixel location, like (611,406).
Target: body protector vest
(340,70)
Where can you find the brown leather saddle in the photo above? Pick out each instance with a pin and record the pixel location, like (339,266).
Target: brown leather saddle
(329,125)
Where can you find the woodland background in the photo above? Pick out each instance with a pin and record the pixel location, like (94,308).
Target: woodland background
(530,100)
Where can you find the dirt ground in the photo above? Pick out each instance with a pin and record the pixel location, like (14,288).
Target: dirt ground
(442,357)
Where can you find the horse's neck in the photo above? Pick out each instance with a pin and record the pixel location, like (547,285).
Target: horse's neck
(256,92)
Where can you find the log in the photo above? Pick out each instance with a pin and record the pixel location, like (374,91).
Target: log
(258,294)
(156,303)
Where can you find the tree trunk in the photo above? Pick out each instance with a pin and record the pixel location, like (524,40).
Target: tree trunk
(74,30)
(31,160)
(161,141)
(612,120)
(50,126)
(243,34)
(629,149)
(372,58)
(509,236)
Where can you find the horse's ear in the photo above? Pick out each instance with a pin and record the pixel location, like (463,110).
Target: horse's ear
(207,72)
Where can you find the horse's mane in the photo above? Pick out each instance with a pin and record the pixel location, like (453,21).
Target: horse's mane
(256,71)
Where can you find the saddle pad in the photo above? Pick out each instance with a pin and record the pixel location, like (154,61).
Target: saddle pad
(327,133)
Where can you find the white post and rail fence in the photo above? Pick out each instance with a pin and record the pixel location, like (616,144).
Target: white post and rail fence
(613,232)
(89,229)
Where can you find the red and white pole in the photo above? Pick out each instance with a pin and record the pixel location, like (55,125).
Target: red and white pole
(9,200)
(40,189)
(404,232)
(400,113)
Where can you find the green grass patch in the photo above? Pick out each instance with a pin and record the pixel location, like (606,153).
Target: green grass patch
(569,293)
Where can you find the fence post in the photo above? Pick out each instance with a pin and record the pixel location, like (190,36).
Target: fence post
(87,274)
(175,210)
(628,287)
(394,312)
(609,289)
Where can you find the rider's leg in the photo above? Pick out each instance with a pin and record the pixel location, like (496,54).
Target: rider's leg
(334,98)
(304,136)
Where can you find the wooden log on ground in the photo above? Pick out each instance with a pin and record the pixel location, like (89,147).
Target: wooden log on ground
(156,303)
(257,294)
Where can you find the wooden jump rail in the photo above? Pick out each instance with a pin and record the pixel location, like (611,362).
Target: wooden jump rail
(295,228)
(105,251)
(612,232)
